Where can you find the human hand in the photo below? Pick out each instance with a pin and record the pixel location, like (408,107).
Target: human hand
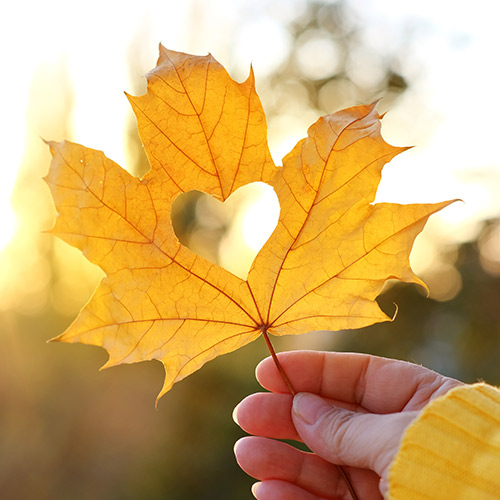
(350,410)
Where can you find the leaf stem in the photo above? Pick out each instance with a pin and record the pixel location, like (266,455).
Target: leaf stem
(283,374)
(350,487)
(293,392)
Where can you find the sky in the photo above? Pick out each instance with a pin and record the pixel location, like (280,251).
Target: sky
(448,114)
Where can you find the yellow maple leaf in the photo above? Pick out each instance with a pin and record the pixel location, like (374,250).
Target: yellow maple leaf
(322,268)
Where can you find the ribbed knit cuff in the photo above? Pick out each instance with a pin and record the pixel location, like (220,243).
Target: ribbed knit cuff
(452,450)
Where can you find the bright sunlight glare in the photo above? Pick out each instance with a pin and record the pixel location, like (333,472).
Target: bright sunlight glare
(8,222)
(260,218)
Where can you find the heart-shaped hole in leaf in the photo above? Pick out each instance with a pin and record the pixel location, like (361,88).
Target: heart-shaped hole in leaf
(229,234)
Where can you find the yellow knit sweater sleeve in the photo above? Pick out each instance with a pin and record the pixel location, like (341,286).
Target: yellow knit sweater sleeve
(452,450)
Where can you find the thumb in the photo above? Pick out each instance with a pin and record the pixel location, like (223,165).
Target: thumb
(345,437)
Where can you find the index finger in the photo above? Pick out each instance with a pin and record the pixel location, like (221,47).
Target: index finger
(373,383)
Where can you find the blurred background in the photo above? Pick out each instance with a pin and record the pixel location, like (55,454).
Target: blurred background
(68,430)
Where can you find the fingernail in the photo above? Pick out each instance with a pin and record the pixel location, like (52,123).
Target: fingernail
(235,414)
(383,486)
(255,487)
(308,407)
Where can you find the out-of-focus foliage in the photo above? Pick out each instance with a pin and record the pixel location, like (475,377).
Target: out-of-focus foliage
(332,64)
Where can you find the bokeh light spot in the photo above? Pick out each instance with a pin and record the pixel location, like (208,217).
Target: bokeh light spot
(318,55)
(489,250)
